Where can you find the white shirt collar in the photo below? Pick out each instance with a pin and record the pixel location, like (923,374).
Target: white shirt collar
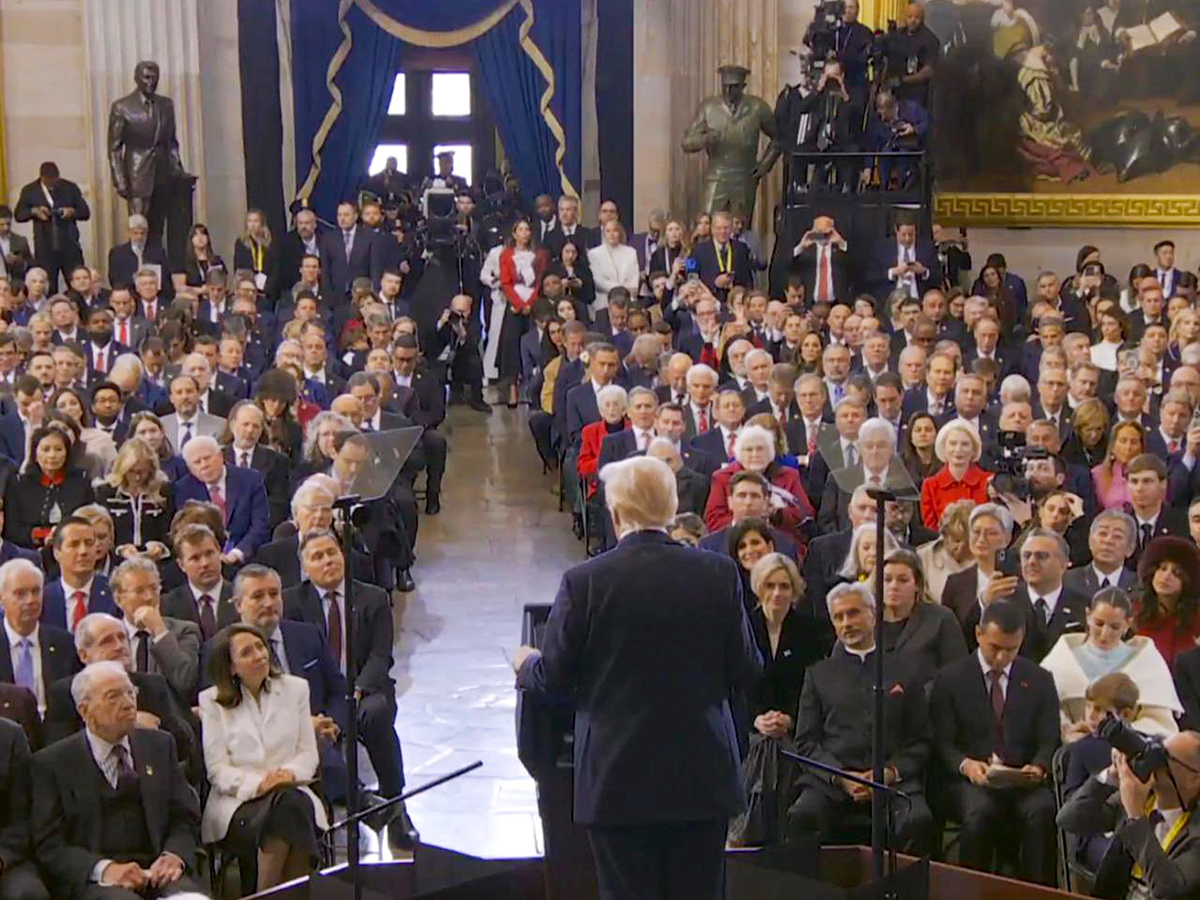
(102,749)
(1101,577)
(197,593)
(69,592)
(14,638)
(1007,670)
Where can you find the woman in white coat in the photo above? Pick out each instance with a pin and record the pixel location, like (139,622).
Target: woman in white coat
(489,276)
(613,264)
(1077,660)
(260,750)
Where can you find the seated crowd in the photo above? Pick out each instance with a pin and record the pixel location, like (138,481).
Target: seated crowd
(174,442)
(1041,570)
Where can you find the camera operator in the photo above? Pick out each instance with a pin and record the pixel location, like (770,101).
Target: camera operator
(822,122)
(457,348)
(895,126)
(850,42)
(1155,852)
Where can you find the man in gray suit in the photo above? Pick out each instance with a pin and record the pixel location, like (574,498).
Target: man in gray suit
(143,154)
(161,645)
(1111,540)
(188,421)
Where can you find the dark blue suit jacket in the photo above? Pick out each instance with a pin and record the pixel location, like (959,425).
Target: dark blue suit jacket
(247,512)
(712,445)
(12,438)
(9,550)
(884,255)
(652,664)
(705,254)
(54,604)
(309,657)
(581,410)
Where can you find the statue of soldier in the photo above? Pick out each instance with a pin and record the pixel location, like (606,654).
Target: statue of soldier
(143,154)
(727,129)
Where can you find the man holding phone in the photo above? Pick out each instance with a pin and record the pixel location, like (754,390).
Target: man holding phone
(822,260)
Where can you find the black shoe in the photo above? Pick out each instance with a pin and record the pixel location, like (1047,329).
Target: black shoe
(480,406)
(402,834)
(376,821)
(404,582)
(433,505)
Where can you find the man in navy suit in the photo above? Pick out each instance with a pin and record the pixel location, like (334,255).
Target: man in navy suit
(25,637)
(349,252)
(581,401)
(749,494)
(127,259)
(905,262)
(239,493)
(723,263)
(80,589)
(656,749)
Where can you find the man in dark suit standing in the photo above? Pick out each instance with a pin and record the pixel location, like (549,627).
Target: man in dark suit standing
(303,240)
(656,756)
(822,261)
(139,253)
(905,263)
(19,878)
(349,252)
(15,255)
(56,206)
(320,601)
(723,263)
(568,228)
(994,703)
(111,807)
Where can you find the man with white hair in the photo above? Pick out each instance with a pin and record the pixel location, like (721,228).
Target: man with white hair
(656,774)
(758,377)
(33,655)
(239,493)
(212,399)
(877,467)
(127,259)
(312,509)
(835,725)
(114,812)
(699,413)
(99,638)
(189,421)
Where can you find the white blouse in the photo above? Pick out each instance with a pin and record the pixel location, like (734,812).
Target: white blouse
(612,267)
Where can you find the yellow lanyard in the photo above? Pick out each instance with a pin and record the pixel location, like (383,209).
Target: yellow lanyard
(1179,825)
(259,253)
(726,264)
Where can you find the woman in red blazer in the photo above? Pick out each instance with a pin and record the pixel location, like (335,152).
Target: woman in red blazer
(754,450)
(521,268)
(959,447)
(613,402)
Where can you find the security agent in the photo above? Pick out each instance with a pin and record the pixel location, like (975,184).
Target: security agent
(1155,852)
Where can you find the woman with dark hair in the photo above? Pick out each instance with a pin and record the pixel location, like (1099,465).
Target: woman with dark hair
(812,353)
(148,427)
(260,750)
(576,275)
(1113,329)
(917,447)
(177,340)
(521,265)
(276,395)
(198,258)
(1169,573)
(927,633)
(48,491)
(98,448)
(749,541)
(1129,293)
(257,252)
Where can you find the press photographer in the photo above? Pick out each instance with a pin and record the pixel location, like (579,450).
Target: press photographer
(895,126)
(821,122)
(1155,852)
(835,31)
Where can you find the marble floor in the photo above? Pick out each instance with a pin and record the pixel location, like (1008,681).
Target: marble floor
(499,542)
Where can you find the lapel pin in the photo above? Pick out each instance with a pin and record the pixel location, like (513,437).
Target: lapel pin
(150,770)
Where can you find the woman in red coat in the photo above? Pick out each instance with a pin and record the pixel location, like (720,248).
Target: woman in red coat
(959,447)
(613,403)
(754,451)
(521,268)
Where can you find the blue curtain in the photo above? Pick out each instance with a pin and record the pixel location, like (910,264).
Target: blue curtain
(365,80)
(512,80)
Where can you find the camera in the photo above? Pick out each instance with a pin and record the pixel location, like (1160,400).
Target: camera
(1010,467)
(820,37)
(1146,753)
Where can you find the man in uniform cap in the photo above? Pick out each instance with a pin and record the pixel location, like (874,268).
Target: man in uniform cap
(727,128)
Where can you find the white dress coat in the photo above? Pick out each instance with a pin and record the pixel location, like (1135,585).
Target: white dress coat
(243,743)
(489,275)
(613,266)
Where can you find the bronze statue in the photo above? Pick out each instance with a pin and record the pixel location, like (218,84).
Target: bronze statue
(143,153)
(727,128)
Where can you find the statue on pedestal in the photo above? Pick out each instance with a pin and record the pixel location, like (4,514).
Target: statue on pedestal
(727,128)
(143,153)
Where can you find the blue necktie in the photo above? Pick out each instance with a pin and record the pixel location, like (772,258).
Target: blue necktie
(23,677)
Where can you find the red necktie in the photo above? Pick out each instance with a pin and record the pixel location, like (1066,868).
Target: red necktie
(80,600)
(732,441)
(702,425)
(101,366)
(124,335)
(823,276)
(812,439)
(218,499)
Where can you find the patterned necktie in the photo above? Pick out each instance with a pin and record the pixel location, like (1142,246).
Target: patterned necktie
(187,435)
(997,698)
(79,599)
(702,425)
(348,240)
(126,774)
(334,625)
(1147,534)
(812,438)
(23,676)
(208,619)
(217,496)
(851,455)
(730,444)
(276,655)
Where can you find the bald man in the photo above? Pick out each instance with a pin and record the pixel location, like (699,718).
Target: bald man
(912,54)
(456,347)
(822,260)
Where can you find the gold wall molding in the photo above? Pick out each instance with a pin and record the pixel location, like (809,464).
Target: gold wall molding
(1069,210)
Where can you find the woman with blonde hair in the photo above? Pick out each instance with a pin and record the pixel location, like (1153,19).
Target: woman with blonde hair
(140,500)
(950,552)
(672,254)
(1127,441)
(256,252)
(1088,443)
(961,478)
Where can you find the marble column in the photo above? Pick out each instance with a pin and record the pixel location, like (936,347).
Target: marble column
(117,35)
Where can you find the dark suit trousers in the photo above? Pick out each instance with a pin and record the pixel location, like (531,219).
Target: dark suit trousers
(541,426)
(678,861)
(57,262)
(467,372)
(377,732)
(22,883)
(818,813)
(433,445)
(984,813)
(184,885)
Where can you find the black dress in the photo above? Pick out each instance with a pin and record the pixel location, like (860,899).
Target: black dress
(30,503)
(196,270)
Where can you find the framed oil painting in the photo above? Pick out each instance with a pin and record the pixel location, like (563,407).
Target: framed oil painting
(1067,112)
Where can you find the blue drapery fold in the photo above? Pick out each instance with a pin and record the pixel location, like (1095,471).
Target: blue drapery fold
(344,58)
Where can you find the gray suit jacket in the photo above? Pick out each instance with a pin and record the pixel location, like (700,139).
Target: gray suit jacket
(931,638)
(206,424)
(1083,580)
(176,656)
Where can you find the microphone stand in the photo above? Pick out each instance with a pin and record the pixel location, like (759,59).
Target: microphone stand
(880,818)
(881,795)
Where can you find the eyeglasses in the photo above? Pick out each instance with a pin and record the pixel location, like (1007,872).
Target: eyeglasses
(1038,555)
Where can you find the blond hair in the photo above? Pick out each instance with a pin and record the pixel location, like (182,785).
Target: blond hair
(641,491)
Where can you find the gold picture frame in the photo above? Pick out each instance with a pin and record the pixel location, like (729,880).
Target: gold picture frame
(1022,210)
